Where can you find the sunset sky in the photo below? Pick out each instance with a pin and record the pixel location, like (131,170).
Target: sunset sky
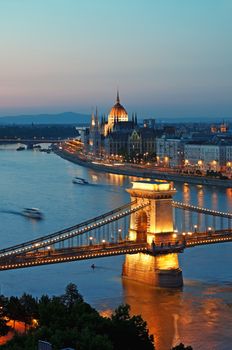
(169,58)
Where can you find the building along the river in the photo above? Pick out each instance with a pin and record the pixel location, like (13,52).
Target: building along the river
(118,136)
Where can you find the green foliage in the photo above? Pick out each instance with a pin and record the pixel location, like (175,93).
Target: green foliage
(14,309)
(71,295)
(29,308)
(129,332)
(68,321)
(4,329)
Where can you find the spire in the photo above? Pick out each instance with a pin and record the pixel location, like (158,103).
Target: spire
(92,119)
(117,99)
(96,117)
(136,121)
(133,120)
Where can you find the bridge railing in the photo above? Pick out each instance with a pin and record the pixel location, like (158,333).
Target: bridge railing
(73,231)
(192,218)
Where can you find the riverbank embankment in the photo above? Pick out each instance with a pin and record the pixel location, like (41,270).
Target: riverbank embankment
(142,172)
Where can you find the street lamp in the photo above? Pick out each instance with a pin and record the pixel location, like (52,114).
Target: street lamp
(119,234)
(166,161)
(214,165)
(90,240)
(195,228)
(49,250)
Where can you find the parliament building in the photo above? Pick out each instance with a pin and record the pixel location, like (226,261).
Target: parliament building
(119,135)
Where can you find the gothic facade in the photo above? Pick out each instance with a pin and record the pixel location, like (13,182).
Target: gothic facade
(118,135)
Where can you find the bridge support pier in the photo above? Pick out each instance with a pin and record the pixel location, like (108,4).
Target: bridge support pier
(154,225)
(158,271)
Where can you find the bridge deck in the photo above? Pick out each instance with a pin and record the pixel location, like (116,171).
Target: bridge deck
(50,249)
(222,236)
(54,256)
(70,232)
(44,257)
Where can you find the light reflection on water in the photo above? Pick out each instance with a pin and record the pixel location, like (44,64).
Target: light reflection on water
(200,315)
(201,320)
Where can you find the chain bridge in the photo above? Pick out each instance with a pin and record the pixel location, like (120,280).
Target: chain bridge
(151,227)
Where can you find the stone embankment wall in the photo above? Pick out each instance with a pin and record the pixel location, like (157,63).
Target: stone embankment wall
(199,180)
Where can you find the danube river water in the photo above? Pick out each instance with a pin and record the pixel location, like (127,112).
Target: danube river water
(199,315)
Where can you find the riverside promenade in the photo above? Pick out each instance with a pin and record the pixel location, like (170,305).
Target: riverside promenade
(131,170)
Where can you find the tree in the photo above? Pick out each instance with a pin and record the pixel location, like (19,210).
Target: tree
(4,329)
(91,341)
(52,313)
(130,332)
(29,309)
(71,295)
(14,309)
(68,321)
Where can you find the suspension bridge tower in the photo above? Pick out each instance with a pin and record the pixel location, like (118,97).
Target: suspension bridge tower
(152,224)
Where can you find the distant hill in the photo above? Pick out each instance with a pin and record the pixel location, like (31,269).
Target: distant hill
(61,118)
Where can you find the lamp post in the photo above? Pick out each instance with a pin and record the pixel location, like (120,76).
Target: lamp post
(195,228)
(175,234)
(166,161)
(49,250)
(119,234)
(184,234)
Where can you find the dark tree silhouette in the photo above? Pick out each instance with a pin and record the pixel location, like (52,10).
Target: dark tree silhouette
(4,329)
(68,321)
(71,295)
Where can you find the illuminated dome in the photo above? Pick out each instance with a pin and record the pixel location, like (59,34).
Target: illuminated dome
(117,113)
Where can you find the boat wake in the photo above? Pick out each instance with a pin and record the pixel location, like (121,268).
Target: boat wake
(11,212)
(30,213)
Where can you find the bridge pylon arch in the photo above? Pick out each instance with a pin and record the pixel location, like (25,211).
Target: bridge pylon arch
(153,223)
(157,217)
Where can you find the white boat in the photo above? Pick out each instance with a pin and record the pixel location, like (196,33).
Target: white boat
(79,180)
(33,213)
(20,148)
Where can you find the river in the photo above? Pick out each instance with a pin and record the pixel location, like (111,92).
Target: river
(199,315)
